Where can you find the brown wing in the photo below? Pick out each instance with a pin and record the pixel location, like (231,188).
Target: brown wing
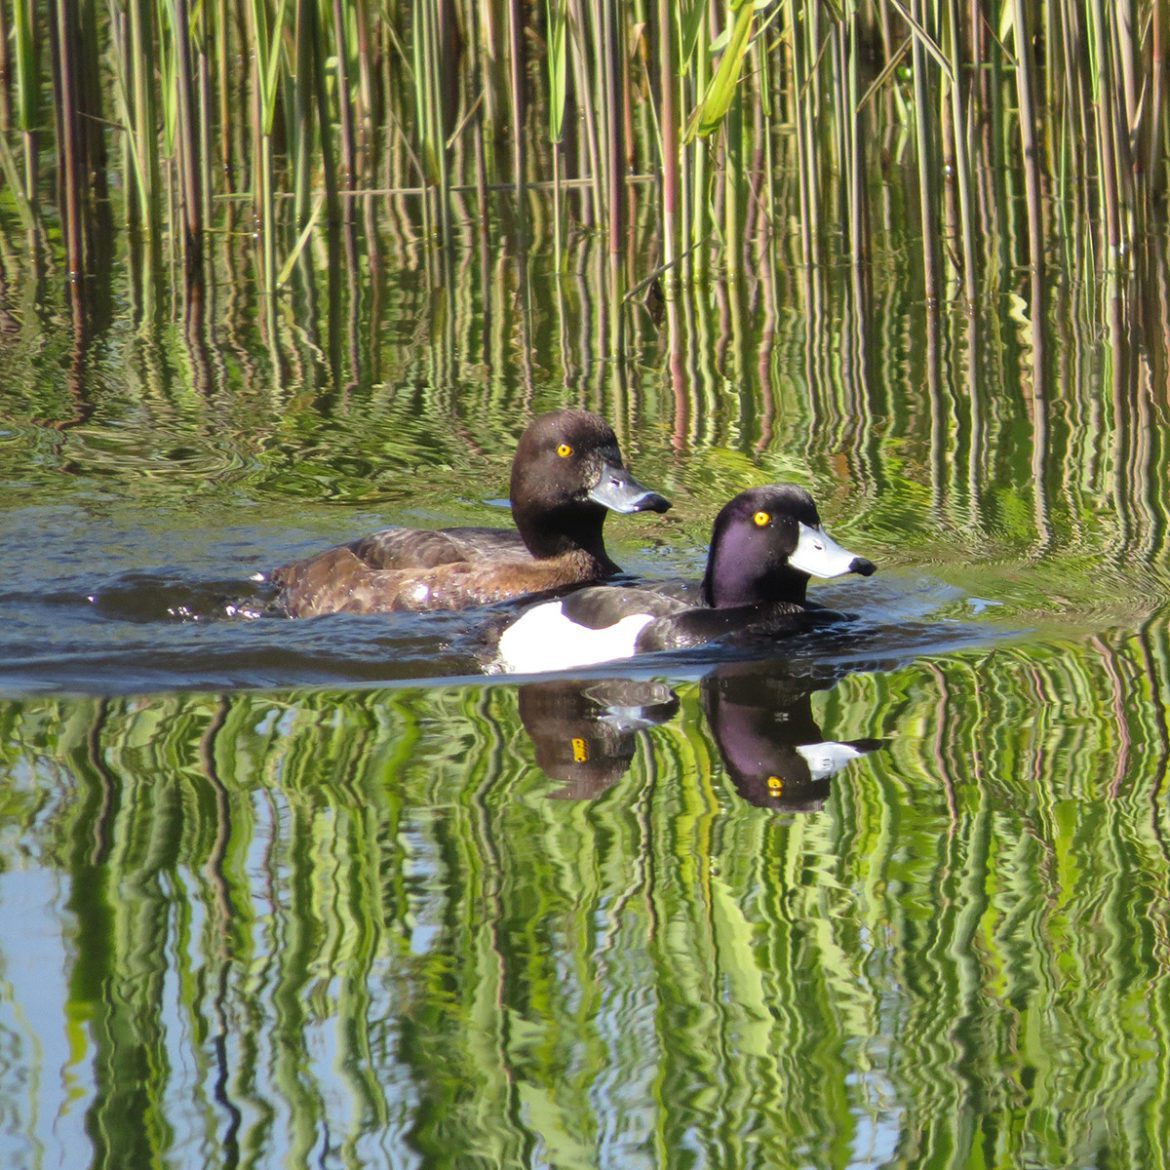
(337,581)
(414,548)
(368,575)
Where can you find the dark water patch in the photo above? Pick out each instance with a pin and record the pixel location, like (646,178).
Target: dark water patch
(157,597)
(147,655)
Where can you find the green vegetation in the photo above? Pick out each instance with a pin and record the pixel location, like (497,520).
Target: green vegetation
(749,133)
(330,256)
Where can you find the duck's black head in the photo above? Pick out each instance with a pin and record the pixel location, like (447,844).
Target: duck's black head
(765,545)
(567,472)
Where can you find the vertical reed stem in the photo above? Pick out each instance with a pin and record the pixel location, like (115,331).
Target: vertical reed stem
(927,196)
(69,147)
(320,101)
(516,84)
(803,146)
(1028,146)
(439,113)
(481,163)
(5,73)
(696,264)
(344,102)
(224,92)
(140,60)
(962,167)
(189,168)
(1153,162)
(669,130)
(616,165)
(27,92)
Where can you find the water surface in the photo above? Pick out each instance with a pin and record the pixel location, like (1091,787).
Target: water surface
(290,893)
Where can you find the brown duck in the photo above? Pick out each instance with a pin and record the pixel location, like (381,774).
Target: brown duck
(567,473)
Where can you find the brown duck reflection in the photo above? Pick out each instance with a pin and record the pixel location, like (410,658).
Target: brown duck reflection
(585,732)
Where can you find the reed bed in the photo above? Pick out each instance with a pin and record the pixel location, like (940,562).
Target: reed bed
(758,133)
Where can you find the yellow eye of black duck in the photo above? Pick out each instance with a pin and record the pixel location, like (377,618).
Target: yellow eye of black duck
(564,450)
(762,519)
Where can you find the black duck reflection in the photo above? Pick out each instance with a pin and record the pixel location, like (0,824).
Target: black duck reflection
(585,732)
(771,744)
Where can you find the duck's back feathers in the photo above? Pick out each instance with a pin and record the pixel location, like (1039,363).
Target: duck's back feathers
(415,548)
(338,581)
(598,608)
(671,623)
(696,627)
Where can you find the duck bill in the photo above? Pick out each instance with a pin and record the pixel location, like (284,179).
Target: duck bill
(819,555)
(619,491)
(828,758)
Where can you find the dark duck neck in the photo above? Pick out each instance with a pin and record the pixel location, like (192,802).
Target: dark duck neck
(572,528)
(738,575)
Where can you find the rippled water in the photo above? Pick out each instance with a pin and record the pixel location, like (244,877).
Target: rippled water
(324,893)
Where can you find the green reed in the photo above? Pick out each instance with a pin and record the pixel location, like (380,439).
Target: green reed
(25,60)
(782,118)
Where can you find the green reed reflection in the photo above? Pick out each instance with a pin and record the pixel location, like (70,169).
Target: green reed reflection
(1028,438)
(314,927)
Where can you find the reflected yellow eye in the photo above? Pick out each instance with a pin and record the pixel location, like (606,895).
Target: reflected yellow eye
(775,785)
(564,450)
(580,751)
(762,519)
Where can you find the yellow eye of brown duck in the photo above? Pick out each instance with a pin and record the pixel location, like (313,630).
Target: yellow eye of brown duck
(762,519)
(564,450)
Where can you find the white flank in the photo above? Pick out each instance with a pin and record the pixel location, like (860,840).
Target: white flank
(827,759)
(544,639)
(819,555)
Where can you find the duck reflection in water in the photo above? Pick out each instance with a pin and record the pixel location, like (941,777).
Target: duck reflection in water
(771,744)
(585,732)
